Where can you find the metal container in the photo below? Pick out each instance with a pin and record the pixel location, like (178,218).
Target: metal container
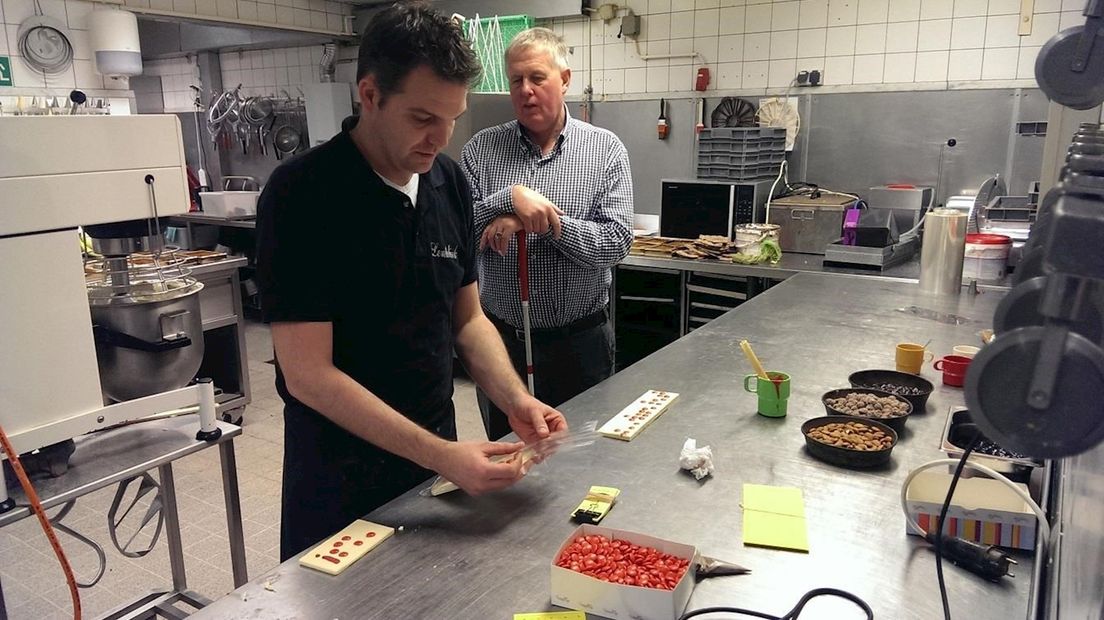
(808,224)
(149,339)
(942,252)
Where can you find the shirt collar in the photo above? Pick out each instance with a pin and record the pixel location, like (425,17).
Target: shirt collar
(435,177)
(568,128)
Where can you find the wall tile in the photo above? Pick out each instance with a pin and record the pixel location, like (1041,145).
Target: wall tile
(964,65)
(758,18)
(968,33)
(757,46)
(658,79)
(1000,64)
(811,42)
(970,8)
(756,74)
(682,25)
(783,45)
(873,11)
(813,14)
(730,75)
(932,66)
(1025,67)
(904,10)
(636,80)
(784,16)
(840,41)
(1043,27)
(843,12)
(900,68)
(902,36)
(934,35)
(657,27)
(869,68)
(1006,7)
(781,73)
(732,20)
(707,23)
(839,70)
(659,6)
(1002,31)
(707,46)
(936,9)
(870,39)
(730,48)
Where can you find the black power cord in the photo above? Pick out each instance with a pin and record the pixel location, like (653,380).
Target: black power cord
(790,615)
(941,524)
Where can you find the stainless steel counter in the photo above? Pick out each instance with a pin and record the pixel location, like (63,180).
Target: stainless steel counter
(790,265)
(488,557)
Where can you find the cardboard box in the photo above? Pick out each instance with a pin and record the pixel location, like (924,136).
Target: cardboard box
(610,600)
(982,510)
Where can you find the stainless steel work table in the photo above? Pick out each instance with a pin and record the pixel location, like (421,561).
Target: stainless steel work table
(460,557)
(109,457)
(790,265)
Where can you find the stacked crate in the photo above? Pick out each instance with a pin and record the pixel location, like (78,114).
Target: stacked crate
(740,153)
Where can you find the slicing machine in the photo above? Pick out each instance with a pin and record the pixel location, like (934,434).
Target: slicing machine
(58,174)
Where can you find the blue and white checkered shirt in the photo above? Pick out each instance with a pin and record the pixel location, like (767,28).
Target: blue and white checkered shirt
(587,176)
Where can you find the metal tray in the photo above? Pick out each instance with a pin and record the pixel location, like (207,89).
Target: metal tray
(1017,469)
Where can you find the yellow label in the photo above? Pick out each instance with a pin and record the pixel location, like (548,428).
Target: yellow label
(552,615)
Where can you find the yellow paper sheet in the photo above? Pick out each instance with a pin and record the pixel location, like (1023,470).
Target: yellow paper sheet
(774,517)
(552,615)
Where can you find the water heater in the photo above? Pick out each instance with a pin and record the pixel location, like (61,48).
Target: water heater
(115,45)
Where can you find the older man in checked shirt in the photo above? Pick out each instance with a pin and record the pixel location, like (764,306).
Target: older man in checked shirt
(567,184)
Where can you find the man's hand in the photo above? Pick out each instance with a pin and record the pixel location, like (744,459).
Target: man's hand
(468,465)
(536,212)
(498,234)
(533,420)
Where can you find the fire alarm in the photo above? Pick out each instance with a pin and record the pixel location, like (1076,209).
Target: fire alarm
(703,79)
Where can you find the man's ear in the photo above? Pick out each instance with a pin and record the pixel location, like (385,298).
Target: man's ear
(565,77)
(369,92)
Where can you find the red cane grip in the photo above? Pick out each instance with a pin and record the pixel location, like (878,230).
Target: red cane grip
(523,265)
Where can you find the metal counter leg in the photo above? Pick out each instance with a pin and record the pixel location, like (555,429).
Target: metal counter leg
(172,527)
(233,512)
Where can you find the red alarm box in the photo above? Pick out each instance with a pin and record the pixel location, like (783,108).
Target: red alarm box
(703,79)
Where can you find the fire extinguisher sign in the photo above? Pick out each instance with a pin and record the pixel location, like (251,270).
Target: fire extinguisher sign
(5,71)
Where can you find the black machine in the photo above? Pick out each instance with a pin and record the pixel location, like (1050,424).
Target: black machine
(693,207)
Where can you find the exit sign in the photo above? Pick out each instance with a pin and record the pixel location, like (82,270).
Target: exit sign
(5,71)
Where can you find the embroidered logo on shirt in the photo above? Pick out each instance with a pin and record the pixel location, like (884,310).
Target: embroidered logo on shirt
(446,251)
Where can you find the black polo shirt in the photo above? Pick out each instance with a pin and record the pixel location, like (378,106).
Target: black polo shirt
(336,244)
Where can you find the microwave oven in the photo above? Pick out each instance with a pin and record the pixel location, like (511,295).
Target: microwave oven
(692,207)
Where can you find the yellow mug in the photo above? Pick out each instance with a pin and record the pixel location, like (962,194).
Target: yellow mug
(911,357)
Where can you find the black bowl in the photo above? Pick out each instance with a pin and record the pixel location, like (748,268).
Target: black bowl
(871,378)
(896,422)
(846,457)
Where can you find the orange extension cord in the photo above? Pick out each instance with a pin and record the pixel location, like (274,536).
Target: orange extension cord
(43,521)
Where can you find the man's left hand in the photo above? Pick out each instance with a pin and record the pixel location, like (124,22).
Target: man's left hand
(498,234)
(533,420)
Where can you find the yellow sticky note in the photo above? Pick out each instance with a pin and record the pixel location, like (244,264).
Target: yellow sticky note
(552,615)
(774,517)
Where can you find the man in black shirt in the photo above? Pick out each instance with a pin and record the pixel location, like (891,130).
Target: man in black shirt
(366,265)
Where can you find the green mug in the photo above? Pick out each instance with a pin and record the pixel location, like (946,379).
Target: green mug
(773,393)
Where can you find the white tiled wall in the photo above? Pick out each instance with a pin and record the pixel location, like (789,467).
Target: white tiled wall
(80,75)
(177,77)
(757,44)
(271,72)
(315,14)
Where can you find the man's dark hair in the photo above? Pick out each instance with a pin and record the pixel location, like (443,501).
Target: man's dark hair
(406,35)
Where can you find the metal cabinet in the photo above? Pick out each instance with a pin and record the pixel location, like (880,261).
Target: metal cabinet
(648,311)
(224,358)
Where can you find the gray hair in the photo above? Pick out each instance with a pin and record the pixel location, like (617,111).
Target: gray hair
(542,39)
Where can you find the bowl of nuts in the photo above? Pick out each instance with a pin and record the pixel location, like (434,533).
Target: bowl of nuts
(849,442)
(890,409)
(912,388)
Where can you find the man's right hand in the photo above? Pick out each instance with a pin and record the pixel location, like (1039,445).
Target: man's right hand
(468,465)
(536,212)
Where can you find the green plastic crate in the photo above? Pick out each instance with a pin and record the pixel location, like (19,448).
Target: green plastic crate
(490,36)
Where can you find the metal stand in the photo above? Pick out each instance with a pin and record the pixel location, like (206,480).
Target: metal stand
(111,457)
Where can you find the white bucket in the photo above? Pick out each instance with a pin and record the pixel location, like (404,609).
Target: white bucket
(986,258)
(748,238)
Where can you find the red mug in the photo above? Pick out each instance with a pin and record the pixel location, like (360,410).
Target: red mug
(953,368)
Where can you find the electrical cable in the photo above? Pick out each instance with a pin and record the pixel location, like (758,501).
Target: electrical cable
(941,524)
(43,520)
(770,195)
(792,614)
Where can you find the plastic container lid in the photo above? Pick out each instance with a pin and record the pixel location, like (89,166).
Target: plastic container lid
(988,239)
